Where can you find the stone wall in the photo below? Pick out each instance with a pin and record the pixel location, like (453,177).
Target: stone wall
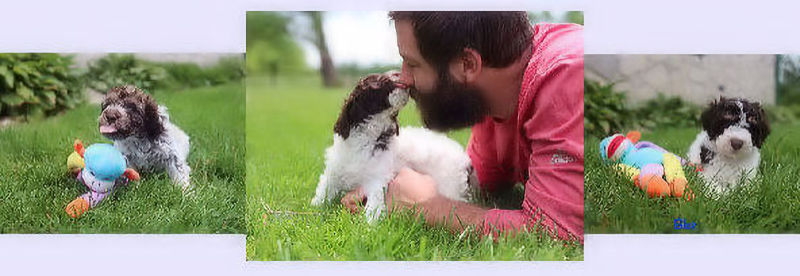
(697,78)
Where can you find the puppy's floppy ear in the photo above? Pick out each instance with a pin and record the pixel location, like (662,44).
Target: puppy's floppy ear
(151,121)
(761,129)
(708,117)
(342,126)
(369,97)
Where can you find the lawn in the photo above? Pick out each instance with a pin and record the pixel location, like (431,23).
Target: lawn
(289,125)
(770,205)
(35,186)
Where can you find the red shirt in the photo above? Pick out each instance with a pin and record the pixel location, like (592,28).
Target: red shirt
(542,145)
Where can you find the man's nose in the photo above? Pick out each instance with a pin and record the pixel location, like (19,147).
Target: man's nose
(406,77)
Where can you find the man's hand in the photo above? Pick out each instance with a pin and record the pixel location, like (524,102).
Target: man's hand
(410,188)
(354,200)
(407,189)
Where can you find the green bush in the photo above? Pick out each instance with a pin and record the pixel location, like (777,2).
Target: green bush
(783,113)
(666,111)
(36,85)
(184,74)
(606,113)
(123,69)
(788,89)
(190,75)
(116,69)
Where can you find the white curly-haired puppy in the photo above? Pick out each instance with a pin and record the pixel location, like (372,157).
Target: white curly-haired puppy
(141,130)
(734,129)
(368,149)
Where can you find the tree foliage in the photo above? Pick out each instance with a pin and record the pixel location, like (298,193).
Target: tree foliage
(271,49)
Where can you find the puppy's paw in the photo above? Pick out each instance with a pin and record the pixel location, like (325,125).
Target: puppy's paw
(318,201)
(373,217)
(188,191)
(373,212)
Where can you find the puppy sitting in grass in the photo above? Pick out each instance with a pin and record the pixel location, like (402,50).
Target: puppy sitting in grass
(369,149)
(142,131)
(728,148)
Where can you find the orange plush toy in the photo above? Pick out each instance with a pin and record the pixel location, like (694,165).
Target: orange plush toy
(651,168)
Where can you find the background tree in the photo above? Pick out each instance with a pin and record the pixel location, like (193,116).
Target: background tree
(326,67)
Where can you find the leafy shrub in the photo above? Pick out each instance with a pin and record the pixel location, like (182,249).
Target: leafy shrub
(188,75)
(184,73)
(783,113)
(788,89)
(115,69)
(666,111)
(123,69)
(604,111)
(35,85)
(226,70)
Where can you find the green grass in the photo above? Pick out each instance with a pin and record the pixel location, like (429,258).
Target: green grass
(35,186)
(289,125)
(771,204)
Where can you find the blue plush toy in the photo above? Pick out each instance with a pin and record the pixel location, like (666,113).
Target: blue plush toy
(652,168)
(101,168)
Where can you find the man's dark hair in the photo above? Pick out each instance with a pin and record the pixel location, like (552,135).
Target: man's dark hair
(499,37)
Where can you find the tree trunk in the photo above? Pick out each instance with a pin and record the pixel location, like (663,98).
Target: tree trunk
(326,68)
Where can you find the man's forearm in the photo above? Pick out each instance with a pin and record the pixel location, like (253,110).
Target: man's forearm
(452,214)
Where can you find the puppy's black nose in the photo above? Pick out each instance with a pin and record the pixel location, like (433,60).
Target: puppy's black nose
(736,144)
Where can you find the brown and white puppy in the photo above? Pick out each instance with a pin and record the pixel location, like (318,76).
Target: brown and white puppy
(368,148)
(728,148)
(142,131)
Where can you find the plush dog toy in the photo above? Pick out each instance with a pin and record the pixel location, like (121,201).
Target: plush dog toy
(650,167)
(101,168)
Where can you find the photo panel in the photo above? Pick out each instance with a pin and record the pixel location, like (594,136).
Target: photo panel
(370,137)
(122,143)
(692,144)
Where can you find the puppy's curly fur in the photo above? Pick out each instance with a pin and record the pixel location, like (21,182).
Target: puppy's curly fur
(142,131)
(368,149)
(734,129)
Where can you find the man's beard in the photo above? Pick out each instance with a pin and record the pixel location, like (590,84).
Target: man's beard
(451,105)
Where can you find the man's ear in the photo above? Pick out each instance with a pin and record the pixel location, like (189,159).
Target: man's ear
(467,67)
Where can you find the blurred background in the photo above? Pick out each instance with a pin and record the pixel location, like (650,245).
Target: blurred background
(333,48)
(36,85)
(647,92)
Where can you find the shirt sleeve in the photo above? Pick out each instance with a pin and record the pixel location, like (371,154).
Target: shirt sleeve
(554,129)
